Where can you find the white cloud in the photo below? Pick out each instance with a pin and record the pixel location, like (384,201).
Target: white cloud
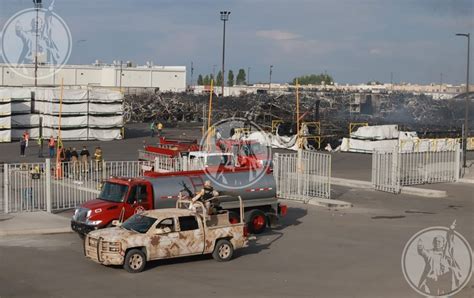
(277,35)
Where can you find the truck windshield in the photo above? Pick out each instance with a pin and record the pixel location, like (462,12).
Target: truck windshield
(139,223)
(113,192)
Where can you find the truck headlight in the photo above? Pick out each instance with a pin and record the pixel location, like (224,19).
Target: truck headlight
(93,222)
(114,246)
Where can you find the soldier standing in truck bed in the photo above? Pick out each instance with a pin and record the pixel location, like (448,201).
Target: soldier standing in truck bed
(205,196)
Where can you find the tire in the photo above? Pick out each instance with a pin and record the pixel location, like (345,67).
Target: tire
(233,217)
(223,251)
(256,221)
(135,261)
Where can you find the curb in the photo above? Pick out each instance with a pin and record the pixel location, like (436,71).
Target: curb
(422,192)
(464,180)
(36,232)
(328,203)
(428,193)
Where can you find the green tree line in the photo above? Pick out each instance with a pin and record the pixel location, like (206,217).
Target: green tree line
(241,78)
(314,79)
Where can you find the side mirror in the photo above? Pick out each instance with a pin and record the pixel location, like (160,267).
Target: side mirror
(116,223)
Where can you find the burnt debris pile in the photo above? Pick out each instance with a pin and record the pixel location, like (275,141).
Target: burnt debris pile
(335,110)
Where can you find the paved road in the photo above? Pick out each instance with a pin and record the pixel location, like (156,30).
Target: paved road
(315,252)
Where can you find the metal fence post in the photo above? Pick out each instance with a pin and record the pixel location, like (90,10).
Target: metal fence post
(48,185)
(184,160)
(6,187)
(299,171)
(457,162)
(104,170)
(157,164)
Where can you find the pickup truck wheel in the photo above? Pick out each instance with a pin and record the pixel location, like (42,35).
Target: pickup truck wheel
(256,221)
(135,261)
(223,251)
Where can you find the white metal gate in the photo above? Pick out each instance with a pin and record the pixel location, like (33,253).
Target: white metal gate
(392,169)
(43,186)
(303,175)
(385,171)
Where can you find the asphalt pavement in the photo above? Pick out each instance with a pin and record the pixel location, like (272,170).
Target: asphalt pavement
(315,252)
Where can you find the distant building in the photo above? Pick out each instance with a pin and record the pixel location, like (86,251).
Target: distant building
(162,78)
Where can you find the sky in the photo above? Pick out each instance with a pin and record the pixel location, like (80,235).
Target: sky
(355,41)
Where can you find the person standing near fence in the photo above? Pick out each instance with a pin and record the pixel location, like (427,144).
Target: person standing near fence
(26,135)
(22,146)
(85,158)
(51,145)
(152,128)
(75,161)
(160,128)
(98,158)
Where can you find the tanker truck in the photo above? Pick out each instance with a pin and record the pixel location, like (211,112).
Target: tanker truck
(122,197)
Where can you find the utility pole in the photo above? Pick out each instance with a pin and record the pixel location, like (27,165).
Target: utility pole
(224,19)
(192,72)
(270,84)
(120,80)
(37,7)
(440,83)
(391,80)
(466,116)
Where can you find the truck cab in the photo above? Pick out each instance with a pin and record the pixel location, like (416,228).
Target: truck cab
(118,198)
(212,159)
(166,233)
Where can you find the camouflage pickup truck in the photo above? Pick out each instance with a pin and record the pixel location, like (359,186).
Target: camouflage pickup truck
(166,233)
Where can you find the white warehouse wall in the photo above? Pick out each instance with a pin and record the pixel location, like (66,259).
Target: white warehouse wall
(166,78)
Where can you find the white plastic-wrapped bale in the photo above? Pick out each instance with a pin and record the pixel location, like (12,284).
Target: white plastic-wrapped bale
(105,114)
(5,115)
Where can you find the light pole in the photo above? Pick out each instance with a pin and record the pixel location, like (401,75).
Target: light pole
(270,84)
(192,73)
(224,18)
(466,115)
(37,7)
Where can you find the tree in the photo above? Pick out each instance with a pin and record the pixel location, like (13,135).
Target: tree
(219,78)
(230,78)
(374,83)
(241,77)
(206,80)
(314,79)
(200,80)
(211,77)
